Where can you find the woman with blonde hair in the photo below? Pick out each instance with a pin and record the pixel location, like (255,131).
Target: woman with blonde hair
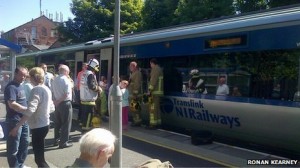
(37,113)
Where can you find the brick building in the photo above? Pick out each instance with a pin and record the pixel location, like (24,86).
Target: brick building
(37,34)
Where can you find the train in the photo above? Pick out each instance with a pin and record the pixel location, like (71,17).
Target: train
(257,52)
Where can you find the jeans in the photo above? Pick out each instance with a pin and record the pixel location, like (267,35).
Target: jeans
(17,147)
(38,145)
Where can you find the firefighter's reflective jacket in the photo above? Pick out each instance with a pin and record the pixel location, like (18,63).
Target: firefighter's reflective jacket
(156,81)
(88,88)
(135,83)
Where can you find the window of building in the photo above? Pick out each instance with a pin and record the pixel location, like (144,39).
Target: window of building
(44,31)
(53,33)
(33,33)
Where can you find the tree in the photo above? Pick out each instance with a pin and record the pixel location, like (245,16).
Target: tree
(197,10)
(131,15)
(278,3)
(94,19)
(158,14)
(243,6)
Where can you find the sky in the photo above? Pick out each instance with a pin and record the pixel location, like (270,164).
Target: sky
(14,13)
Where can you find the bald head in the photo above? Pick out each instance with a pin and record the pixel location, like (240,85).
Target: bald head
(63,70)
(133,66)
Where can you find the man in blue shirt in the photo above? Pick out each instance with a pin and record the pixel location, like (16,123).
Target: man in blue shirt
(15,101)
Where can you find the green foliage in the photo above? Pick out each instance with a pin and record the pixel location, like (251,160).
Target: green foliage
(131,15)
(158,14)
(27,62)
(269,65)
(243,6)
(94,19)
(278,3)
(197,10)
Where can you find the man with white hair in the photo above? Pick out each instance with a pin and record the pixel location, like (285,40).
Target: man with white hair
(96,147)
(62,95)
(135,93)
(222,89)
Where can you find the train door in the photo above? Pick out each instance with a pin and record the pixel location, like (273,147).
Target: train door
(79,59)
(106,64)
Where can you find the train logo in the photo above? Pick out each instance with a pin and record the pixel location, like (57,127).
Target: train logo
(195,109)
(166,106)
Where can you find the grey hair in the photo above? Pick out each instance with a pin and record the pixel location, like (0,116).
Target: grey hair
(95,140)
(63,69)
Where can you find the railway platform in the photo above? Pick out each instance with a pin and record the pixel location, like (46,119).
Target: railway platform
(221,154)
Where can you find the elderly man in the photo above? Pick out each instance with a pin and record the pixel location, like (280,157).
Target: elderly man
(96,147)
(223,89)
(62,95)
(135,93)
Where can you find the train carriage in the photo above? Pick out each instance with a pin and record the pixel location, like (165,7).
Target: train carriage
(258,52)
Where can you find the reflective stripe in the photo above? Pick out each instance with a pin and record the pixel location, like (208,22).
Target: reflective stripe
(158,92)
(152,106)
(152,121)
(160,82)
(88,121)
(160,88)
(88,103)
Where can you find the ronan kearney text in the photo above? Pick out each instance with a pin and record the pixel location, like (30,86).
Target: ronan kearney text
(271,162)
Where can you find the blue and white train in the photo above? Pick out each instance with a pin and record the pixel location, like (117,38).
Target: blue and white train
(259,53)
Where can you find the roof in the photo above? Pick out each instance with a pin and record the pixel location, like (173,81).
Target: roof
(43,16)
(34,48)
(41,47)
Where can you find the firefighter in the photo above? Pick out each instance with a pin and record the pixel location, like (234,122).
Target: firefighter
(135,93)
(155,90)
(196,84)
(89,91)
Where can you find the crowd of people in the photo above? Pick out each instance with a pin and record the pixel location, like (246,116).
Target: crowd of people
(34,94)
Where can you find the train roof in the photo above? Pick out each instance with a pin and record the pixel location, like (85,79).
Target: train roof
(253,21)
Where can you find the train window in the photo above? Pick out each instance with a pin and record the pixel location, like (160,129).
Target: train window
(259,74)
(104,68)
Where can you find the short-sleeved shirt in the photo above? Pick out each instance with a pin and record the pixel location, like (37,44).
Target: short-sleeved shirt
(222,90)
(14,92)
(48,79)
(61,85)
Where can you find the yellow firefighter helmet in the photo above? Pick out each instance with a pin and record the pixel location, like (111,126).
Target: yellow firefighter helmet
(134,105)
(96,121)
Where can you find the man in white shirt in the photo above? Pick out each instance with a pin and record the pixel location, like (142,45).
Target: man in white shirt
(222,89)
(62,95)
